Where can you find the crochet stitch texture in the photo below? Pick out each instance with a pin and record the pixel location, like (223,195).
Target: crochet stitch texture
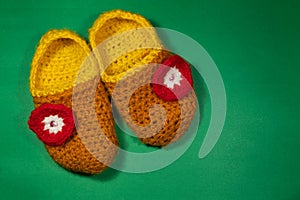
(55,66)
(114,31)
(128,44)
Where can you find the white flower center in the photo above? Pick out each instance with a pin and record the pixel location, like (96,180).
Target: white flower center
(172,77)
(53,123)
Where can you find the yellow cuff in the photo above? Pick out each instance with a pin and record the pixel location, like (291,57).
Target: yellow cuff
(123,41)
(56,63)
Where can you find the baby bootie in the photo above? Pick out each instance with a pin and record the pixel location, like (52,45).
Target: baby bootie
(54,74)
(140,74)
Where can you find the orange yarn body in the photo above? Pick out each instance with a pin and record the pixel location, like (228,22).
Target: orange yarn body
(55,66)
(124,42)
(128,44)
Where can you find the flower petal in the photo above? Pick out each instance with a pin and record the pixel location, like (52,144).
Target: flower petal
(52,123)
(173,79)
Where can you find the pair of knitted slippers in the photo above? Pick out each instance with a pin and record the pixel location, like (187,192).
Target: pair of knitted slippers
(61,98)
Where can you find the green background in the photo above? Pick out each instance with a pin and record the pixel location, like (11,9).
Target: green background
(256,47)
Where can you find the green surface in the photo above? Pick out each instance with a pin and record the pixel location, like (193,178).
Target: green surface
(256,47)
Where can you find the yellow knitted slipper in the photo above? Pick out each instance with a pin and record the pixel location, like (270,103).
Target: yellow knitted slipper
(53,76)
(124,41)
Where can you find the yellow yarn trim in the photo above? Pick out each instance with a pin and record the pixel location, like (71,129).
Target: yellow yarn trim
(114,51)
(56,63)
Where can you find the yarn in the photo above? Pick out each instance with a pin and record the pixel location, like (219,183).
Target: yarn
(127,37)
(55,66)
(180,70)
(118,29)
(38,125)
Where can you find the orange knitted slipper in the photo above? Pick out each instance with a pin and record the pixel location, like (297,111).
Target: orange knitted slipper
(125,42)
(54,69)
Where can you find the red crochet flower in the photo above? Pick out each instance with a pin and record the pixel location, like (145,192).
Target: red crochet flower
(173,79)
(52,123)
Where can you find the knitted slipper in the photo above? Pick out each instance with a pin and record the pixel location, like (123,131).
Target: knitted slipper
(126,41)
(55,65)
